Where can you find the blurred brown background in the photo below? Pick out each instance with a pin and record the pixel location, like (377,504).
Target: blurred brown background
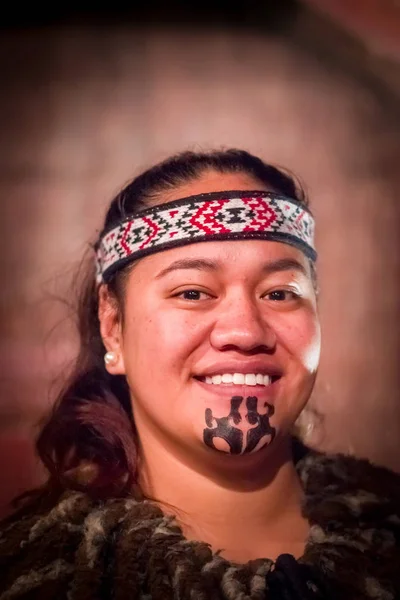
(89,99)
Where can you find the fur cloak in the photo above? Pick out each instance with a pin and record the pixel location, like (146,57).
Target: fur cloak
(120,549)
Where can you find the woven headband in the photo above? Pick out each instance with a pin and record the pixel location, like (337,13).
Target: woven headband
(233,215)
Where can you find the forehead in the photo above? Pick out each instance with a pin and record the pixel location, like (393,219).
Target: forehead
(233,258)
(213,181)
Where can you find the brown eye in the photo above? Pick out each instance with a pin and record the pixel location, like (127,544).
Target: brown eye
(191,295)
(281,295)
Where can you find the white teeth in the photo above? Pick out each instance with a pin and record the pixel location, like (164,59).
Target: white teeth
(227,378)
(239,379)
(250,379)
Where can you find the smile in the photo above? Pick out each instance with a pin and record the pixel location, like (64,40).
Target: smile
(237,379)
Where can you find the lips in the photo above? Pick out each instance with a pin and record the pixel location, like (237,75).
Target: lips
(240,377)
(239,369)
(224,393)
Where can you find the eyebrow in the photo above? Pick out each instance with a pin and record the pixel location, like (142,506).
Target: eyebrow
(202,264)
(284,264)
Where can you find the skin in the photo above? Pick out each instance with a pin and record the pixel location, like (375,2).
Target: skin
(245,306)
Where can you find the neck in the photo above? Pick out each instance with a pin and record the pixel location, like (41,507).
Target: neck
(247,507)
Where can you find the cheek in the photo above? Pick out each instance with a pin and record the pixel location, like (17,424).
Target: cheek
(160,341)
(302,339)
(312,350)
(175,333)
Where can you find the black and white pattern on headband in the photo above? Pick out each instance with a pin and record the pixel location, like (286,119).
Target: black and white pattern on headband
(205,217)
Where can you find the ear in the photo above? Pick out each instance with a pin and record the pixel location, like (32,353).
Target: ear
(109,314)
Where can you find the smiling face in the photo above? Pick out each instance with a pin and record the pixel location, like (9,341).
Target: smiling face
(219,341)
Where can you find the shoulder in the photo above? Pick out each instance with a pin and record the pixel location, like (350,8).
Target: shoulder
(356,484)
(39,549)
(353,507)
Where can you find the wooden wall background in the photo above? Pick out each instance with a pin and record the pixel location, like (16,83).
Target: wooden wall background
(84,108)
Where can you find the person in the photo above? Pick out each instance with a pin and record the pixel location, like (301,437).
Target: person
(170,453)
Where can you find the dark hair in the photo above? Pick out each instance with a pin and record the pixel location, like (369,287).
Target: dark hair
(89,442)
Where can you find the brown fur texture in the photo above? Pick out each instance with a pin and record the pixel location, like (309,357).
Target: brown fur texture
(123,548)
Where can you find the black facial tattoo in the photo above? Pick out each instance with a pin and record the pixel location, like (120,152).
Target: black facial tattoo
(240,442)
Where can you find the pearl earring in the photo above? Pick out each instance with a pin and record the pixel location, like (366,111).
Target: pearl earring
(110,358)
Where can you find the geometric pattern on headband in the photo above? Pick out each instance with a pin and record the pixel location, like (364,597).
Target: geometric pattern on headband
(233,215)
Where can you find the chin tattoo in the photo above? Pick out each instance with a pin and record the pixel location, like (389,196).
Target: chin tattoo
(243,435)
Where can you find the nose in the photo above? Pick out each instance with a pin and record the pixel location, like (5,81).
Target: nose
(241,325)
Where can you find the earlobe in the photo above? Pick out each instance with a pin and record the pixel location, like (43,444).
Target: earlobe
(111,331)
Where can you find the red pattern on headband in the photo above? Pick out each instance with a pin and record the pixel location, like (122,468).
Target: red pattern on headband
(214,216)
(210,225)
(264,214)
